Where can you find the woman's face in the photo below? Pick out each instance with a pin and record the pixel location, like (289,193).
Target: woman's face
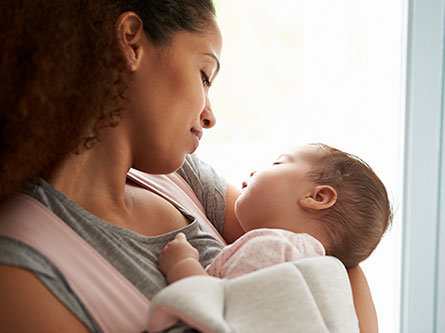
(169,101)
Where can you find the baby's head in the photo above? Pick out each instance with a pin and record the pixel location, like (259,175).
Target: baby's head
(322,191)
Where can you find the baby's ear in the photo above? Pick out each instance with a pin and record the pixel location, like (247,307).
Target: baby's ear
(321,197)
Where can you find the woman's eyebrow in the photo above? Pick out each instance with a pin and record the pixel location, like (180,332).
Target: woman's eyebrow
(214,56)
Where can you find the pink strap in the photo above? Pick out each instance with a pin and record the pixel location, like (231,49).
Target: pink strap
(116,305)
(176,190)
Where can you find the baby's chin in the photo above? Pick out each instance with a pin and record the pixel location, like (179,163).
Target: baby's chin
(242,214)
(236,207)
(239,210)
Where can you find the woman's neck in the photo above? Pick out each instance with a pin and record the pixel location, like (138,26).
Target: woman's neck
(95,179)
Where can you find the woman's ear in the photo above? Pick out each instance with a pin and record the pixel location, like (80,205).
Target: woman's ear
(129,30)
(321,197)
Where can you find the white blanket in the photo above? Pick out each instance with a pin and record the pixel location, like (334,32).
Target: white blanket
(308,295)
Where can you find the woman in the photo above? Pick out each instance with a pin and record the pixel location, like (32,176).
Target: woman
(89,90)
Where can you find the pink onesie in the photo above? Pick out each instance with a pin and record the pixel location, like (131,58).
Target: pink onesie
(261,248)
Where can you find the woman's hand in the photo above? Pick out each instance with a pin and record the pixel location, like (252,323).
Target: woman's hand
(179,259)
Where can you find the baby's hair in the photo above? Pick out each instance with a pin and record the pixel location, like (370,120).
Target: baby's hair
(63,79)
(362,213)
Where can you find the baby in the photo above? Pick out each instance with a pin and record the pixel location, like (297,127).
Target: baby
(314,200)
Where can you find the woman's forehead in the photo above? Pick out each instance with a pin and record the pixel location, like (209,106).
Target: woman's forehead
(208,41)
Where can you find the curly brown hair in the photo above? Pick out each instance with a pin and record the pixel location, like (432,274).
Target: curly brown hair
(355,224)
(62,78)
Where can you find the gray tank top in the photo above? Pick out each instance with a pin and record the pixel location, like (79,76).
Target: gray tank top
(133,255)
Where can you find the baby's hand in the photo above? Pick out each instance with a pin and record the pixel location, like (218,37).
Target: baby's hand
(175,251)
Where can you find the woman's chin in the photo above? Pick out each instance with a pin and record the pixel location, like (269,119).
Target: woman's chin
(160,168)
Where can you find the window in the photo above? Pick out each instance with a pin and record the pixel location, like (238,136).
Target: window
(299,71)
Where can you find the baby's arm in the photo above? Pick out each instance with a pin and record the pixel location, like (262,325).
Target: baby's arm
(179,260)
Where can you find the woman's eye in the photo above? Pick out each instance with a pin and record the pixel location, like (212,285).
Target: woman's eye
(205,80)
(277,163)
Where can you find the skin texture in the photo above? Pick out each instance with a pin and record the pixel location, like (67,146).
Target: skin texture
(232,229)
(275,197)
(169,95)
(27,306)
(364,306)
(168,108)
(155,133)
(179,260)
(279,196)
(282,196)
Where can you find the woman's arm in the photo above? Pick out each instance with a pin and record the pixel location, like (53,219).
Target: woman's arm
(27,305)
(232,229)
(364,306)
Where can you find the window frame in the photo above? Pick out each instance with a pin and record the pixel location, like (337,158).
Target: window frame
(423,216)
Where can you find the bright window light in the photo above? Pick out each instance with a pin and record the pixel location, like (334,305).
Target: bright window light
(299,71)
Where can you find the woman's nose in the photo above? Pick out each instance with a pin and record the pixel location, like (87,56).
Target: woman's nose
(208,119)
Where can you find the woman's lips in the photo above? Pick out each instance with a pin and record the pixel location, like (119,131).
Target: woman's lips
(197,135)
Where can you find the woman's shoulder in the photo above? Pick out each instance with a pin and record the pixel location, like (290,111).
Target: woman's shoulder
(209,187)
(197,172)
(16,253)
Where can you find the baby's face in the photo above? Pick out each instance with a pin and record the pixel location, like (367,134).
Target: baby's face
(270,197)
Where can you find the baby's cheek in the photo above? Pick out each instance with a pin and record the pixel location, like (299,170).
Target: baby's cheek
(245,212)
